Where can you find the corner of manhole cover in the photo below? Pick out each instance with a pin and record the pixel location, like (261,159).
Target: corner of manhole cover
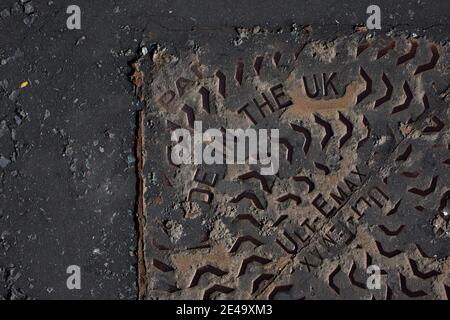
(363,178)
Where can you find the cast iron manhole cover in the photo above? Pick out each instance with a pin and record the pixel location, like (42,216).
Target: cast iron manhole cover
(363,177)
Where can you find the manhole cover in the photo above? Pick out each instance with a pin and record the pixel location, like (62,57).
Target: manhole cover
(363,176)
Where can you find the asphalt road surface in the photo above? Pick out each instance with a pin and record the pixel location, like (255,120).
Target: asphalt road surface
(69,129)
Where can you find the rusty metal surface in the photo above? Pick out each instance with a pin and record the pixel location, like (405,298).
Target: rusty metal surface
(77,152)
(363,178)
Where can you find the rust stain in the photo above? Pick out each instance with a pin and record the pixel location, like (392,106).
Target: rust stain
(158,199)
(218,256)
(405,129)
(142,272)
(138,79)
(303,105)
(440,146)
(360,28)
